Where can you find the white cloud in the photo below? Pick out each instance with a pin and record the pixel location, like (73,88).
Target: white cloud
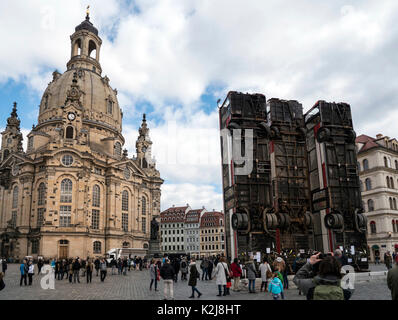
(196,196)
(168,53)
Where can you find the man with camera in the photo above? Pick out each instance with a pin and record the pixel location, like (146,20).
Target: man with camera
(320,277)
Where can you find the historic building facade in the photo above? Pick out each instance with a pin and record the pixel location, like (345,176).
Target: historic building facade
(212,234)
(172,229)
(75,191)
(192,231)
(378,173)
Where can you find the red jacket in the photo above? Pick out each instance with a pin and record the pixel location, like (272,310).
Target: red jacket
(236,270)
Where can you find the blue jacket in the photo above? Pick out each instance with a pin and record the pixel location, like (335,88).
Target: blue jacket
(22,269)
(275,286)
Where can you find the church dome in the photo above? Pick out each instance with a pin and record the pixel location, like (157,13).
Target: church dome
(87,25)
(98,99)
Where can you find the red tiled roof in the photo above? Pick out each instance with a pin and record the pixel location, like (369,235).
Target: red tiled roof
(194,215)
(173,214)
(368,142)
(211,217)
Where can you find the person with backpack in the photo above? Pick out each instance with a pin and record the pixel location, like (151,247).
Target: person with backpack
(23,268)
(265,273)
(194,275)
(320,277)
(184,269)
(275,287)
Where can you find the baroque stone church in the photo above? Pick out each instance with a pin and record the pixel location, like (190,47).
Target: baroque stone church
(75,191)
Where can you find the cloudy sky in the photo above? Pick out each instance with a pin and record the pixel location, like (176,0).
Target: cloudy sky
(173,59)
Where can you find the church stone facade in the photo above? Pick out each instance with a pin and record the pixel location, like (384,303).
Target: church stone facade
(75,191)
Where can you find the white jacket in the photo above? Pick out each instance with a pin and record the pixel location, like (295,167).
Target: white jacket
(31,268)
(264,267)
(220,273)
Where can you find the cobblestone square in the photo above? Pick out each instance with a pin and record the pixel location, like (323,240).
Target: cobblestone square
(135,286)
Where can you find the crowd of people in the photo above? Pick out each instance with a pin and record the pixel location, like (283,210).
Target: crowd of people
(317,276)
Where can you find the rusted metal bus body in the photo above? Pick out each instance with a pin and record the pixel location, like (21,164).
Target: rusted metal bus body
(247,196)
(289,175)
(335,191)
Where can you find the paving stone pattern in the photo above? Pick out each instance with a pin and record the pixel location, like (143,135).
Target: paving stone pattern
(135,286)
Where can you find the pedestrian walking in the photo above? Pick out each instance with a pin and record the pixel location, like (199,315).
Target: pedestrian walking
(193,278)
(236,274)
(221,273)
(119,266)
(153,272)
(4,265)
(40,264)
(392,281)
(23,268)
(176,266)
(275,287)
(184,269)
(71,262)
(210,268)
(167,273)
(97,265)
(205,269)
(113,265)
(266,273)
(103,269)
(125,266)
(251,275)
(76,270)
(89,270)
(31,271)
(388,260)
(83,267)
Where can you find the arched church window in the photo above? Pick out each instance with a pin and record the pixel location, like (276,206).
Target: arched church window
(110,107)
(69,132)
(46,102)
(41,194)
(15,194)
(118,149)
(368,184)
(373,227)
(143,200)
(77,49)
(365,164)
(92,49)
(96,196)
(66,191)
(125,200)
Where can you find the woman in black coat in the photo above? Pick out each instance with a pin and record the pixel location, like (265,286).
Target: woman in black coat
(193,277)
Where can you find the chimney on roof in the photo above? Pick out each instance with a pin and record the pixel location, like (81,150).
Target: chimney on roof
(173,205)
(203,207)
(214,210)
(379,136)
(187,204)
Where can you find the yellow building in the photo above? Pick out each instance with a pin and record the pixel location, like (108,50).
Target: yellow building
(212,232)
(75,192)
